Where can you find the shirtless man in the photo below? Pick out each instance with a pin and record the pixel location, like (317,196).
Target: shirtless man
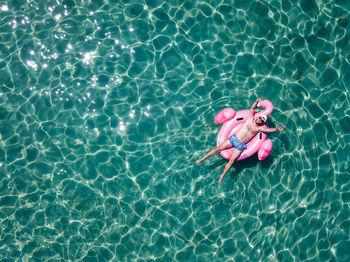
(238,141)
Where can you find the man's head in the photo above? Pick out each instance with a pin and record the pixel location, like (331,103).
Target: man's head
(260,119)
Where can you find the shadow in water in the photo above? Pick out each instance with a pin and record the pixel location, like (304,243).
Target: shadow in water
(238,166)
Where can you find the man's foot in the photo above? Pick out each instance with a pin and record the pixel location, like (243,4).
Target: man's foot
(198,161)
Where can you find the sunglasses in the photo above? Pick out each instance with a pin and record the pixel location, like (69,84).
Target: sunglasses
(261,118)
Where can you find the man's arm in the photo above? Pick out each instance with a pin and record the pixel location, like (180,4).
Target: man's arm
(271,129)
(254,106)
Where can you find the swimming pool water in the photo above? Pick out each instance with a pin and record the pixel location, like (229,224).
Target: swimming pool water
(106,105)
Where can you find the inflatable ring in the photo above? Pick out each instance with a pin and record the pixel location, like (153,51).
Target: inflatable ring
(233,121)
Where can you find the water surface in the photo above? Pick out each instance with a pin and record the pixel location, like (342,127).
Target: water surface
(105,106)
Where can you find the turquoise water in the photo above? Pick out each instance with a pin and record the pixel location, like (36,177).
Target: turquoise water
(105,106)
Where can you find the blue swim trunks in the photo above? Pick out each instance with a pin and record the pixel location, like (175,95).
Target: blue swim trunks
(236,143)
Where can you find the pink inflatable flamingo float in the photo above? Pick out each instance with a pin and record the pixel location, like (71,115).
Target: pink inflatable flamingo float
(233,121)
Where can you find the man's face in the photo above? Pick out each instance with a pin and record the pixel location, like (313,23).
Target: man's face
(259,121)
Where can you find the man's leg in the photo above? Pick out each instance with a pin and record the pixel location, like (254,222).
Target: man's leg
(234,156)
(223,146)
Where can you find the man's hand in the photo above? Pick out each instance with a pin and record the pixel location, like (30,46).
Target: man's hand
(254,106)
(280,128)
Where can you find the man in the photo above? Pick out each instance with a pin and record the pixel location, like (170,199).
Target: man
(238,141)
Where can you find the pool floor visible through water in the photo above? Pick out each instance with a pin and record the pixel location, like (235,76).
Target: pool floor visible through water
(106,105)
